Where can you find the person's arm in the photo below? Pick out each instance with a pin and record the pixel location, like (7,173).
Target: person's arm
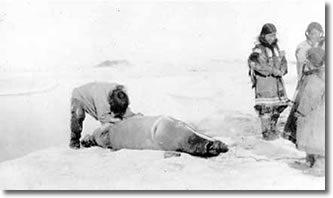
(108,118)
(283,64)
(313,93)
(300,58)
(104,114)
(280,65)
(259,63)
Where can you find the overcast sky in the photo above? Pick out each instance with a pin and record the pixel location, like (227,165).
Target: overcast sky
(43,35)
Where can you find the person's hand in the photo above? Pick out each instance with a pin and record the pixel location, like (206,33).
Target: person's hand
(104,126)
(290,103)
(262,58)
(277,73)
(115,120)
(133,115)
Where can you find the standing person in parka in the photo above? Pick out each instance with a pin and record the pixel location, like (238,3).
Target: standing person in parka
(314,34)
(92,98)
(314,39)
(267,65)
(306,122)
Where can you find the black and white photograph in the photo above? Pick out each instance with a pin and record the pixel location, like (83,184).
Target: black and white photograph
(183,95)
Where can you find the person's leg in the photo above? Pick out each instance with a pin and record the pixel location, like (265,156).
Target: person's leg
(319,162)
(266,126)
(310,159)
(274,120)
(77,117)
(277,110)
(289,131)
(264,117)
(318,167)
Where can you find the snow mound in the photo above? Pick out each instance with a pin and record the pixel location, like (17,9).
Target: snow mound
(24,85)
(114,63)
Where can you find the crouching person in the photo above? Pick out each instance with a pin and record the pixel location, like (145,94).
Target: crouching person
(152,132)
(93,99)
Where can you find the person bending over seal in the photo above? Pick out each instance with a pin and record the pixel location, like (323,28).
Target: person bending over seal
(93,99)
(151,132)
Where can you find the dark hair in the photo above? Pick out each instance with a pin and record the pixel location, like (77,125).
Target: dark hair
(314,25)
(118,101)
(317,26)
(268,28)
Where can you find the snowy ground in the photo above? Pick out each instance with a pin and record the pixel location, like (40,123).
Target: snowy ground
(184,59)
(210,96)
